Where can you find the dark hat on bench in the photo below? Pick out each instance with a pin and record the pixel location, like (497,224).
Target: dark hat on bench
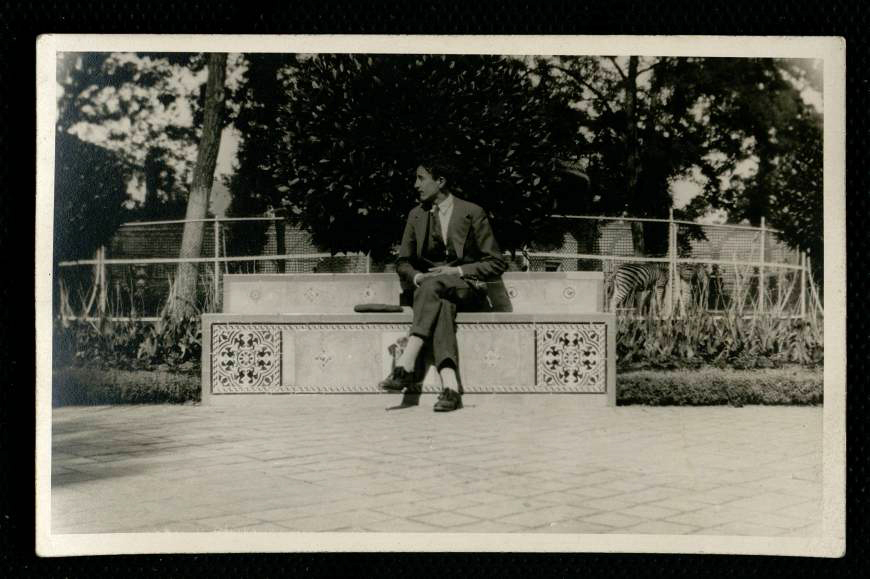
(377,308)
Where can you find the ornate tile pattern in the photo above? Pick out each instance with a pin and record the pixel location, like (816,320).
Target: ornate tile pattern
(572,357)
(245,358)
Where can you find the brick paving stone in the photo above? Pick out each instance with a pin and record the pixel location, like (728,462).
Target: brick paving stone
(679,503)
(627,486)
(445,519)
(227,522)
(563,498)
(718,496)
(768,502)
(649,512)
(405,509)
(487,526)
(743,528)
(789,485)
(333,521)
(402,526)
(656,493)
(485,497)
(607,504)
(592,492)
(777,520)
(577,526)
(449,502)
(710,517)
(496,510)
(613,520)
(661,528)
(262,527)
(545,516)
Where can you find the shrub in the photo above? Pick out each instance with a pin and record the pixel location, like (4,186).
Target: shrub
(714,386)
(86,386)
(131,345)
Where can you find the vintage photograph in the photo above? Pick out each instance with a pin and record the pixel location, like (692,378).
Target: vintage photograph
(435,293)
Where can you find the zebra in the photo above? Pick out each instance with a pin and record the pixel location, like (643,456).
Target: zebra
(630,278)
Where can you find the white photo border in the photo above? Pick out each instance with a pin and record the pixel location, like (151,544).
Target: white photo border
(831,50)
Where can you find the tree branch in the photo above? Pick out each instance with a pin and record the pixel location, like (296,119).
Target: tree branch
(649,68)
(576,76)
(618,68)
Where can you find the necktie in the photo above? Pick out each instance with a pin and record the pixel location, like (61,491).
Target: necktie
(436,223)
(437,239)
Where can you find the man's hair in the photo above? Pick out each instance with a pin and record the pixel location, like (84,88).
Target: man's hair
(438,166)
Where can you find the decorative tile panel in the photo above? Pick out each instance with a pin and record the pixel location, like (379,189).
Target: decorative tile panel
(245,358)
(572,357)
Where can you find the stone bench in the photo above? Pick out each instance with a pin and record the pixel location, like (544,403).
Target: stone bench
(297,333)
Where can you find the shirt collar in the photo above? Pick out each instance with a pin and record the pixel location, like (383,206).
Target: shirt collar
(446,205)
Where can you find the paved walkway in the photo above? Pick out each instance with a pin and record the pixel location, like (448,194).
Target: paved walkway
(505,463)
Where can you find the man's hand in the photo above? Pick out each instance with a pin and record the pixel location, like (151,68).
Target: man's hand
(444,270)
(436,271)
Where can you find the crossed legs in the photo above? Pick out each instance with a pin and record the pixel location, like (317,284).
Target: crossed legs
(435,303)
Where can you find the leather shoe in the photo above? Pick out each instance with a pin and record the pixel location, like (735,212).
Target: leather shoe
(398,380)
(448,400)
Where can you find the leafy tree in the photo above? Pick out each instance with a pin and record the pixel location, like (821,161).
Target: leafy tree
(354,128)
(146,107)
(89,194)
(652,120)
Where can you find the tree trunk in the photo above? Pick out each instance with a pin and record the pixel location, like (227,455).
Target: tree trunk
(184,302)
(632,157)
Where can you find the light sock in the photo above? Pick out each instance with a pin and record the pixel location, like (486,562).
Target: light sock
(409,357)
(448,378)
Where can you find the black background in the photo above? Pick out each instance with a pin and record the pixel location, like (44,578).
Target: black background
(22,22)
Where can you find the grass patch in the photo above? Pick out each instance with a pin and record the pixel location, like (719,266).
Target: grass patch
(90,386)
(718,386)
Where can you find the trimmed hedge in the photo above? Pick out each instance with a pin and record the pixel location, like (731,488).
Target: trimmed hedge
(708,386)
(714,386)
(89,386)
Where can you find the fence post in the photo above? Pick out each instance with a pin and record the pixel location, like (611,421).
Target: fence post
(672,262)
(816,300)
(803,285)
(101,281)
(762,280)
(217,263)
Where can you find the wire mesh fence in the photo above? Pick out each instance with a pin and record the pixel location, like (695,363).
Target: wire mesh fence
(745,269)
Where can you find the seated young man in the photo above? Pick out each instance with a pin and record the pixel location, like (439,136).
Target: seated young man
(447,249)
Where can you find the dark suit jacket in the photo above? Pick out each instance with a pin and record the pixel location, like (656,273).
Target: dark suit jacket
(469,232)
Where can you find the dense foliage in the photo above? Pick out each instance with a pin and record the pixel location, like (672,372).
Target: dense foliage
(86,386)
(89,196)
(718,387)
(354,128)
(737,127)
(730,340)
(144,107)
(167,345)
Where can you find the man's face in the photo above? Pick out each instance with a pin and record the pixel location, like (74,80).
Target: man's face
(427,186)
